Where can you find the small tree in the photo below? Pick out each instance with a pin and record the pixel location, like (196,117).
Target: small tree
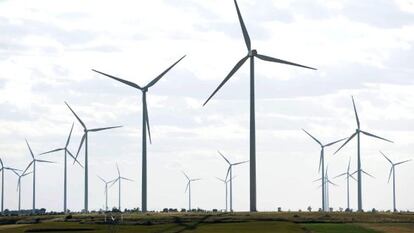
(309,208)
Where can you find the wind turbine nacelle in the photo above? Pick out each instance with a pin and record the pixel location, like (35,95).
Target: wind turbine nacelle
(253,53)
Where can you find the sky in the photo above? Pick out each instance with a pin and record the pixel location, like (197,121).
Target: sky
(360,48)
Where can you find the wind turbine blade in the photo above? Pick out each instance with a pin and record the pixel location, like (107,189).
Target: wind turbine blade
(147,121)
(403,162)
(235,68)
(52,151)
(332,143)
(389,176)
(12,169)
(349,139)
(320,162)
(349,165)
(25,174)
(317,180)
(44,161)
(366,173)
(74,158)
(356,113)
(235,164)
(1,162)
(30,149)
(70,134)
(332,183)
(195,179)
(155,80)
(80,146)
(272,59)
(186,187)
(80,121)
(243,27)
(228,172)
(340,175)
(127,179)
(375,136)
(106,128)
(117,168)
(114,182)
(101,179)
(224,157)
(310,135)
(15,172)
(221,180)
(186,175)
(28,166)
(134,85)
(352,177)
(389,160)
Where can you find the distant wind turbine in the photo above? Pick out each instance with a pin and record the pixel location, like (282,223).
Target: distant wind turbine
(33,163)
(326,182)
(357,133)
(85,140)
(230,172)
(322,163)
(348,175)
(251,54)
(392,172)
(66,150)
(19,185)
(225,182)
(188,187)
(2,169)
(145,124)
(106,190)
(119,179)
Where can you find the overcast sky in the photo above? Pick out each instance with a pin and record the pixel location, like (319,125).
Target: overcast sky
(361,48)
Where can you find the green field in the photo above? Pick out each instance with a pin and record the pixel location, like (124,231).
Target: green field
(216,223)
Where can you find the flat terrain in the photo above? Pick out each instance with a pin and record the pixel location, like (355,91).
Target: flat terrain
(214,223)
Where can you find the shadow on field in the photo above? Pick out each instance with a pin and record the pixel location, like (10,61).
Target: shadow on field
(183,226)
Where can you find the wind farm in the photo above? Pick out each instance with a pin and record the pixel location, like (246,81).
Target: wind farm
(332,79)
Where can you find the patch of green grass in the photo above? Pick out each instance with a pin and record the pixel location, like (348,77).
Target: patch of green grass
(337,228)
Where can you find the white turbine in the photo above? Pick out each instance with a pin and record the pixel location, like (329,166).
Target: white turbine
(230,171)
(392,172)
(119,179)
(188,187)
(33,163)
(106,190)
(66,152)
(2,169)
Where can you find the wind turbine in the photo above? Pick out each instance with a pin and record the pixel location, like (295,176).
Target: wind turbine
(33,163)
(19,185)
(66,150)
(225,181)
(392,171)
(251,54)
(2,169)
(348,175)
(322,163)
(85,140)
(357,133)
(326,182)
(106,191)
(188,187)
(145,124)
(230,171)
(119,179)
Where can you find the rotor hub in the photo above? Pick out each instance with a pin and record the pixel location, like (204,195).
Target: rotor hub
(252,53)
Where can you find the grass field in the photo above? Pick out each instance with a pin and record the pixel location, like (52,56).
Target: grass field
(218,223)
